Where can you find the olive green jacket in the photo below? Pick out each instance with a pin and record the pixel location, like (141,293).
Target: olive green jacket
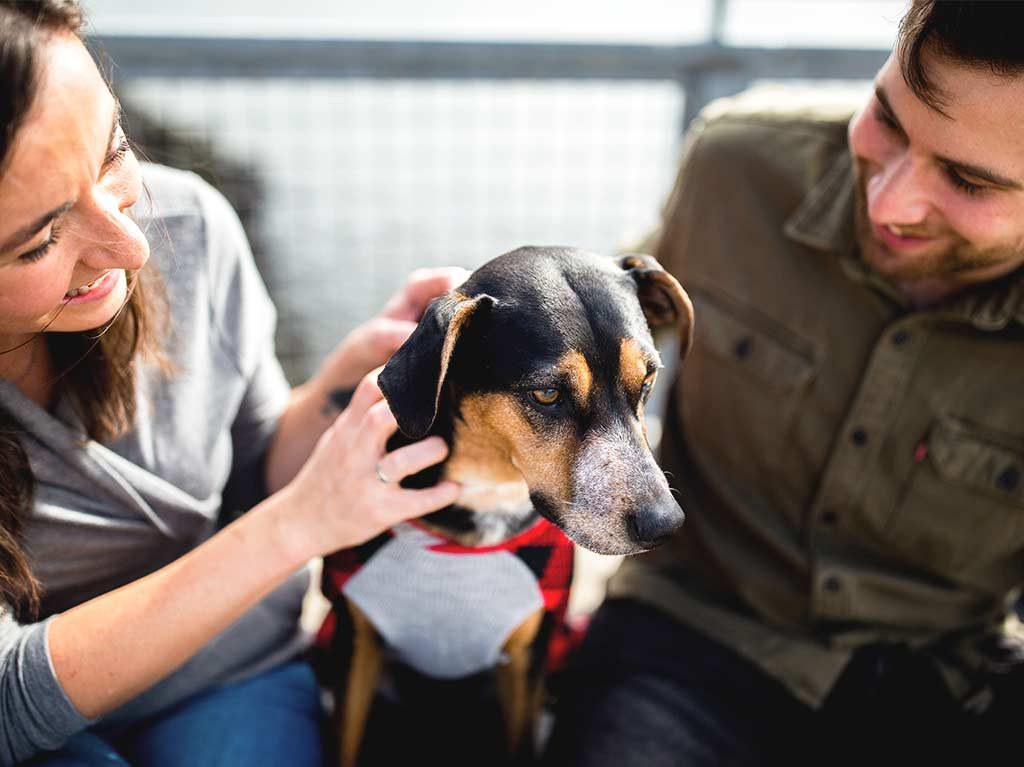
(851,468)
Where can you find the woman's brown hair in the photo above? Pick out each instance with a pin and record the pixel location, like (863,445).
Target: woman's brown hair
(96,368)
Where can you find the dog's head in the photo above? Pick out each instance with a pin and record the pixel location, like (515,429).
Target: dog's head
(540,364)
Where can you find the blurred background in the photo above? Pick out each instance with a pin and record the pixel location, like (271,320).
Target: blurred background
(361,140)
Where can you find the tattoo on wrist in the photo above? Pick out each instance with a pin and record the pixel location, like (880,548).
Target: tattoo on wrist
(337,401)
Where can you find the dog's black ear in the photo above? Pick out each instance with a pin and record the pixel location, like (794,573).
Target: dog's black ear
(413,377)
(661,297)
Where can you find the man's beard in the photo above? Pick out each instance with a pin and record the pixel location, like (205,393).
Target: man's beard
(949,264)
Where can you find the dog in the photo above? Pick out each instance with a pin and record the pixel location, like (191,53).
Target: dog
(535,371)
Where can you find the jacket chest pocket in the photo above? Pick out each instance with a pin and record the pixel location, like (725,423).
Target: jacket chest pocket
(963,503)
(743,384)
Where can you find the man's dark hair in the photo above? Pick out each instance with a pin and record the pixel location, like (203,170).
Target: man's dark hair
(984,34)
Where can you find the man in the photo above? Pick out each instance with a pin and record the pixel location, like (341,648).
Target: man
(847,433)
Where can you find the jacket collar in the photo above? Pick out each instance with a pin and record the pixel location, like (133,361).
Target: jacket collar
(824,221)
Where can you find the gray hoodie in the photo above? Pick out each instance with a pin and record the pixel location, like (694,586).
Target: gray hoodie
(106,515)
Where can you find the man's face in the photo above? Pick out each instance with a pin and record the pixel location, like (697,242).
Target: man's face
(941,196)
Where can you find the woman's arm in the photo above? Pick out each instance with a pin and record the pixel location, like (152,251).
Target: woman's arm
(310,409)
(111,648)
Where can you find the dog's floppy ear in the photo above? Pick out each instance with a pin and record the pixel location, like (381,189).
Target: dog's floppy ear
(413,377)
(661,296)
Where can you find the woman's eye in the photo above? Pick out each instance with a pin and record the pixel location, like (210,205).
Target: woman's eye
(546,397)
(118,153)
(37,253)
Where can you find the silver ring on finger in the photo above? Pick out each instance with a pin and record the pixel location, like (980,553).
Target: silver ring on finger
(381,475)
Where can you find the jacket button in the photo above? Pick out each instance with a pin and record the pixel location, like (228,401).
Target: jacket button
(833,584)
(742,348)
(859,437)
(1008,479)
(900,337)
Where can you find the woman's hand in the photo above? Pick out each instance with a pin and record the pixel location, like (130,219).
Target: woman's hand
(339,499)
(371,344)
(111,648)
(314,405)
(421,287)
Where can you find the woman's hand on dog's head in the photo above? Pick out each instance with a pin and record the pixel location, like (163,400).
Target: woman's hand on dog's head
(367,347)
(370,344)
(340,497)
(421,287)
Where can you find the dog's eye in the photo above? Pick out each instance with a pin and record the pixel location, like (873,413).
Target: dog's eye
(645,390)
(546,397)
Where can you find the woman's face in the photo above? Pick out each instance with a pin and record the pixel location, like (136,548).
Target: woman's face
(65,236)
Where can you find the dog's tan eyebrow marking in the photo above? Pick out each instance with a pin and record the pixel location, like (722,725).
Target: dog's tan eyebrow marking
(632,364)
(576,370)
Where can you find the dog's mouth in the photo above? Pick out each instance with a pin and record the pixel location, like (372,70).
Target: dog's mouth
(606,533)
(546,508)
(609,545)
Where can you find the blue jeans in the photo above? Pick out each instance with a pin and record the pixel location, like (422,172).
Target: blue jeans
(271,719)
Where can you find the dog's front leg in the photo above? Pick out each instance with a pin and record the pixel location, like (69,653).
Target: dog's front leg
(363,677)
(519,702)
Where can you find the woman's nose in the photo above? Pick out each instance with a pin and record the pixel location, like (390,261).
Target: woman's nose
(109,238)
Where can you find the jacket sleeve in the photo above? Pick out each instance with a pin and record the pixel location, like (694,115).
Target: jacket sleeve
(35,714)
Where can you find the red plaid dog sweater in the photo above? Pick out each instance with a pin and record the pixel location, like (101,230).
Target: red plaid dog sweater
(446,609)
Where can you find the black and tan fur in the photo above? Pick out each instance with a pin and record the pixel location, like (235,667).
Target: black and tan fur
(535,371)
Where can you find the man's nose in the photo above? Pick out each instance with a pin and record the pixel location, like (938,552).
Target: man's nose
(897,194)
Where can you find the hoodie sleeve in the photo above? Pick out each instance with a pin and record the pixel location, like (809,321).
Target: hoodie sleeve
(35,713)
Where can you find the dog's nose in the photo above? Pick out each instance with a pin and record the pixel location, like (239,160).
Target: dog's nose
(653,525)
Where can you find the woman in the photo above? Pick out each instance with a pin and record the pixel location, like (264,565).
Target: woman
(139,627)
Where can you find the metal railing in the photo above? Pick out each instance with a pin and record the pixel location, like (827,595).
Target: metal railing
(363,212)
(704,71)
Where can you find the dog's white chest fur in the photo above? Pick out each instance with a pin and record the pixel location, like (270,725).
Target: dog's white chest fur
(447,615)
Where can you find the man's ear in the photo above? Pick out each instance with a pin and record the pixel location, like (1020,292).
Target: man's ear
(413,377)
(661,297)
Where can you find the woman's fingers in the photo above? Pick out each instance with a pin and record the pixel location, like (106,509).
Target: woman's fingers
(386,335)
(420,288)
(378,425)
(426,284)
(416,503)
(411,459)
(366,394)
(408,460)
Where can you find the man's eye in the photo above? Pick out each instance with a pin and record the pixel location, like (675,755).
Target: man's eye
(886,119)
(963,184)
(546,397)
